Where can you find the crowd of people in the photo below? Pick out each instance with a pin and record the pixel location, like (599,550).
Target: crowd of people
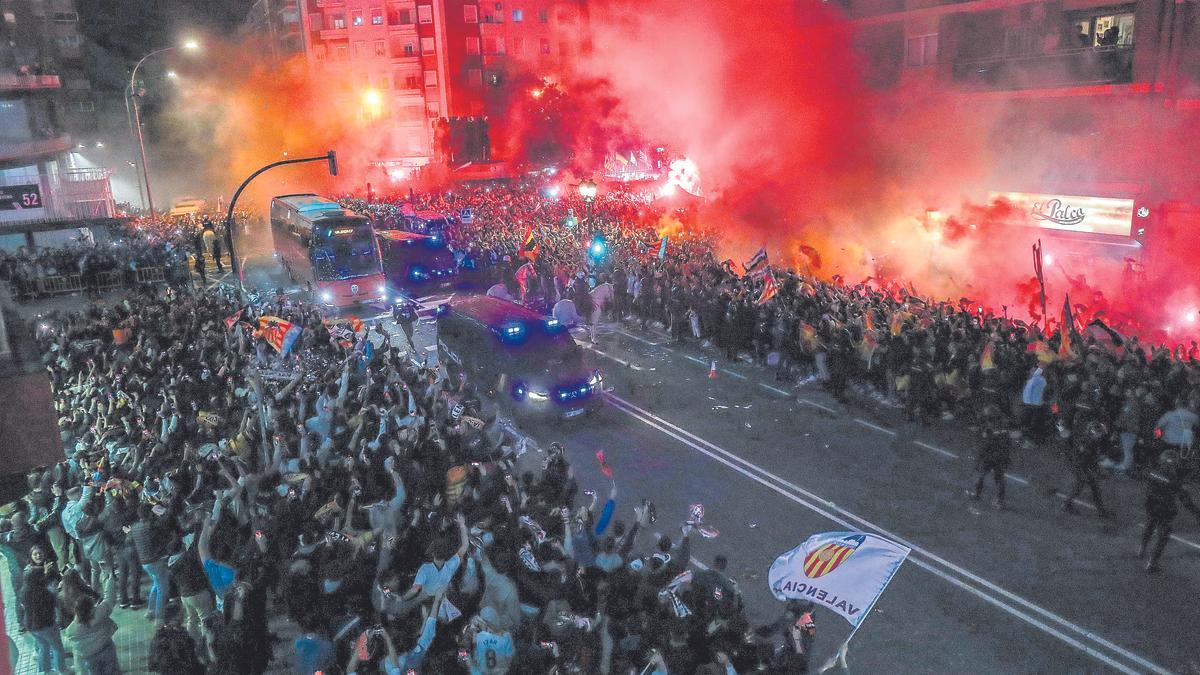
(376,504)
(370,500)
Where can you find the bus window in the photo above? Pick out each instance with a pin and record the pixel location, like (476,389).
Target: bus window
(344,252)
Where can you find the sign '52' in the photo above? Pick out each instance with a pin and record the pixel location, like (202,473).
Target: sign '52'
(17,197)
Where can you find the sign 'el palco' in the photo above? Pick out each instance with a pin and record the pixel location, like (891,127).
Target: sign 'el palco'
(1093,215)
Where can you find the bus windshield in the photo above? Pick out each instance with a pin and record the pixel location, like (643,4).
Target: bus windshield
(344,251)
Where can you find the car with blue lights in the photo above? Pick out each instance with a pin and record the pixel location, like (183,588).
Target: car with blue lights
(416,262)
(528,360)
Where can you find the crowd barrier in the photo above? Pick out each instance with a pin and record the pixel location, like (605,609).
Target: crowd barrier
(66,284)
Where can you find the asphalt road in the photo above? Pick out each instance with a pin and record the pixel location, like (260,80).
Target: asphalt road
(1027,590)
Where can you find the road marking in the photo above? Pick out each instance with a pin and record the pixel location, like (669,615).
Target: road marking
(636,337)
(1020,608)
(1019,479)
(936,449)
(607,356)
(777,390)
(876,427)
(814,404)
(733,374)
(702,362)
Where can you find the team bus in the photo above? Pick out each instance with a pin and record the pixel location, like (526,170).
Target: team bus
(330,249)
(432,223)
(416,262)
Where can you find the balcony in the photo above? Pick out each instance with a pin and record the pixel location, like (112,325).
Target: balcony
(334,34)
(77,194)
(323,4)
(18,82)
(1064,68)
(20,150)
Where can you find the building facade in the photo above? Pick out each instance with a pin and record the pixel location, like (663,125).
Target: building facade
(1085,98)
(44,99)
(414,66)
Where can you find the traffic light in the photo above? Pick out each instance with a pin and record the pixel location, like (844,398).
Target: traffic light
(332,156)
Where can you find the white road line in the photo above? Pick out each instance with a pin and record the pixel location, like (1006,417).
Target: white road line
(876,427)
(607,355)
(814,404)
(777,390)
(1020,608)
(936,449)
(702,362)
(1019,479)
(733,374)
(636,337)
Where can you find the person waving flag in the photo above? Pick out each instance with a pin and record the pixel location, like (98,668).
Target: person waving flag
(770,288)
(757,263)
(529,245)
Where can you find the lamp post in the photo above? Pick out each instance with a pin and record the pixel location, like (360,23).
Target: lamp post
(190,45)
(587,190)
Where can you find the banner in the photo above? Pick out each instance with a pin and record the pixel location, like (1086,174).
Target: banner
(842,571)
(278,333)
(758,262)
(343,330)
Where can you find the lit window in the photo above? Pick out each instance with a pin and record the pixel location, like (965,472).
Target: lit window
(410,49)
(10,17)
(357,19)
(424,13)
(431,78)
(426,45)
(470,14)
(518,15)
(377,16)
(473,46)
(921,50)
(339,21)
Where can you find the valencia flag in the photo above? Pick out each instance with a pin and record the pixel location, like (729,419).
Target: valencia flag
(529,245)
(770,288)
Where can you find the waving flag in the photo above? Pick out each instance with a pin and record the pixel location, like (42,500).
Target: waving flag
(232,319)
(770,288)
(279,333)
(843,571)
(1065,329)
(757,263)
(662,248)
(529,245)
(987,361)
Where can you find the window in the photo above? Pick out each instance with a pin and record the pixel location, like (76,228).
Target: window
(339,20)
(518,15)
(410,49)
(10,17)
(494,78)
(342,52)
(426,45)
(376,16)
(356,18)
(410,82)
(70,41)
(921,50)
(84,106)
(543,16)
(359,50)
(433,110)
(544,45)
(425,13)
(475,77)
(470,14)
(431,78)
(473,46)
(380,48)
(518,46)
(1113,30)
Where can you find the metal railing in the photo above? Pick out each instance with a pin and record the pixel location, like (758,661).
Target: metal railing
(1067,67)
(108,280)
(75,194)
(17,81)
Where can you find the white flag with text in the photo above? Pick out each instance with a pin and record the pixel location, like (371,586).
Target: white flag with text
(843,571)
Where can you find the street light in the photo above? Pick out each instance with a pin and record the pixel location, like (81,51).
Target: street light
(130,94)
(172,74)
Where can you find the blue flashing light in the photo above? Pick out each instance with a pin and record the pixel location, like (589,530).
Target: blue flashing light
(442,309)
(518,390)
(512,330)
(598,248)
(418,273)
(553,325)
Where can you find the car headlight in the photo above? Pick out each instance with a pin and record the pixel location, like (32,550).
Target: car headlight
(382,290)
(535,395)
(596,378)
